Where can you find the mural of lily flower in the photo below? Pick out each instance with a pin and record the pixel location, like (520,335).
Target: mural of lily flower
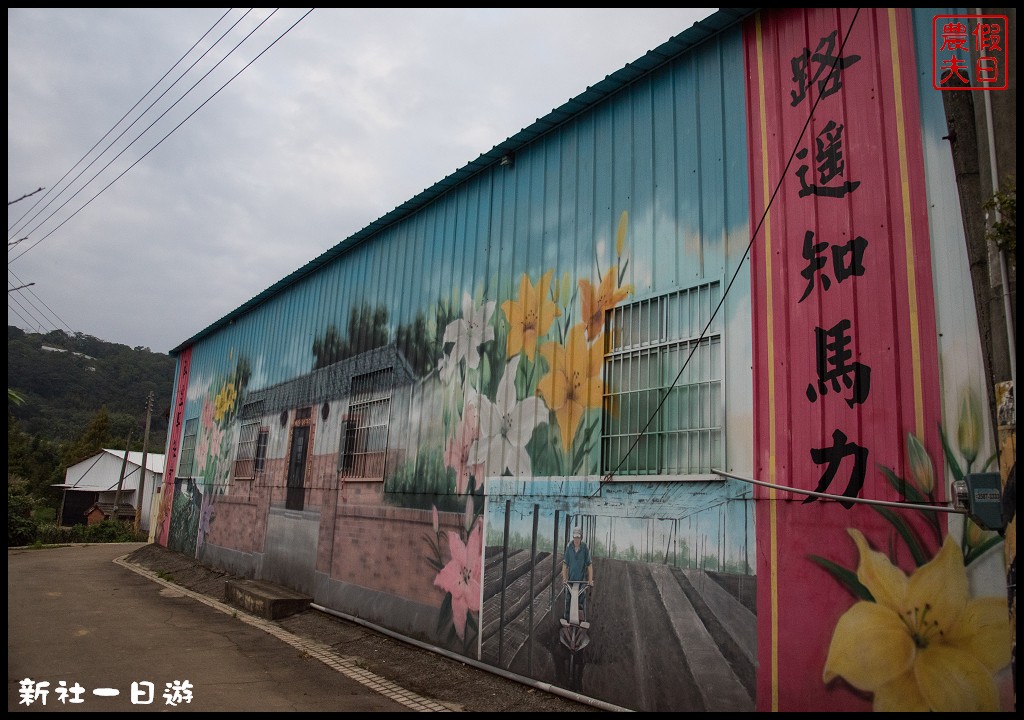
(209,444)
(208,428)
(573,384)
(968,429)
(206,518)
(207,415)
(461,577)
(468,333)
(597,301)
(921,468)
(469,514)
(457,451)
(506,425)
(530,316)
(620,234)
(225,402)
(923,644)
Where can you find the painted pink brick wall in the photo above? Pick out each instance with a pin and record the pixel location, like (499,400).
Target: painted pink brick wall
(384,548)
(234,523)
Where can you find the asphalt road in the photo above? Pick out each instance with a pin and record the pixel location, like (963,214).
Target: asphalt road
(102,617)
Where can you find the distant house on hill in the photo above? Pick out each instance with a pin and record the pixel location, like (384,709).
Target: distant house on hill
(90,488)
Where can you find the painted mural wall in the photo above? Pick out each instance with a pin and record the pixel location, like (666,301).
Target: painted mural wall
(410,431)
(850,395)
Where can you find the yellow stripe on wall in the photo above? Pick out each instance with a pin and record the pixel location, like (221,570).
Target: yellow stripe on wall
(908,227)
(773,521)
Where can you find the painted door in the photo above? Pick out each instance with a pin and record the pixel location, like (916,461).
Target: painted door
(297,468)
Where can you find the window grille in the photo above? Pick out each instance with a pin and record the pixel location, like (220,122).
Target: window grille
(364,436)
(647,343)
(261,450)
(248,436)
(186,460)
(245,461)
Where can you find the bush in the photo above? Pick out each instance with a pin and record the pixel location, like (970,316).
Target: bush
(43,514)
(107,531)
(50,534)
(21,528)
(110,531)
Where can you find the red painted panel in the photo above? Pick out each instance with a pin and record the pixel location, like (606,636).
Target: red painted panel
(845,353)
(173,448)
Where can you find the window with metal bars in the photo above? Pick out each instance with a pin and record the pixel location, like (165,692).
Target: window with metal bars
(663,402)
(245,460)
(261,449)
(248,439)
(187,459)
(364,435)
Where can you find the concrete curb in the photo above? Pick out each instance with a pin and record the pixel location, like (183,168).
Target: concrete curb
(319,651)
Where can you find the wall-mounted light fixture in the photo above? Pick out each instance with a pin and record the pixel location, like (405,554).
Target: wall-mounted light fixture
(507,160)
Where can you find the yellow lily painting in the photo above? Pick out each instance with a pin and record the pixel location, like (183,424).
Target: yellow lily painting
(923,644)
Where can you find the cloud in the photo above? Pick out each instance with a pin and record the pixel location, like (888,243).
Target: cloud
(348,115)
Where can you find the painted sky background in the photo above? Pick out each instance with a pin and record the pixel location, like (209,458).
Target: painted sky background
(146,233)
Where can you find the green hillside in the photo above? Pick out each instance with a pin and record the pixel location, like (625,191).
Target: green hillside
(67,398)
(65,380)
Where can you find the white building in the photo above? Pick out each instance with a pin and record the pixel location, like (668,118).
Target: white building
(90,487)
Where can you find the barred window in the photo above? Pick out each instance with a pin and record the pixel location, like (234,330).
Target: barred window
(662,418)
(245,460)
(261,449)
(248,439)
(187,459)
(364,436)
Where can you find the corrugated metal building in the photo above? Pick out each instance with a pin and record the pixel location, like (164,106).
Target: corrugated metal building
(703,311)
(95,481)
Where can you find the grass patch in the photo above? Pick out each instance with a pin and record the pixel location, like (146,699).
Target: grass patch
(43,515)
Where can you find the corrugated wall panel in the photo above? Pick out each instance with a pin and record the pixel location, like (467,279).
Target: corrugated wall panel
(656,151)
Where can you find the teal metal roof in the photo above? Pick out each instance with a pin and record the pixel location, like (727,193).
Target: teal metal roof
(653,59)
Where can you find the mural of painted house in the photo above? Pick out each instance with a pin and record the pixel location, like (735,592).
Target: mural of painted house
(716,311)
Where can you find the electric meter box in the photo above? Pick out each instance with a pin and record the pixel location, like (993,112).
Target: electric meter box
(985,500)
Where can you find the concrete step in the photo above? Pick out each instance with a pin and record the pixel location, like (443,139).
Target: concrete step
(265,599)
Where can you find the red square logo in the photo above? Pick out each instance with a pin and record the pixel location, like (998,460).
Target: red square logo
(970,52)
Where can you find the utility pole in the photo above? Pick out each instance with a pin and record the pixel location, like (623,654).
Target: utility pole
(142,477)
(120,480)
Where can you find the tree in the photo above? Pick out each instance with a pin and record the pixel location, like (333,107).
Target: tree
(1003,232)
(21,529)
(96,436)
(367,329)
(37,461)
(13,398)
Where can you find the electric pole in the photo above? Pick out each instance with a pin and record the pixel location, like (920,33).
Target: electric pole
(120,480)
(142,477)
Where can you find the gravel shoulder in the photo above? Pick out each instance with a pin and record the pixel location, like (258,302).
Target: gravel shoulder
(457,685)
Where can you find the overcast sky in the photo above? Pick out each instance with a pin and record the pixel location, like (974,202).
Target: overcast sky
(181,180)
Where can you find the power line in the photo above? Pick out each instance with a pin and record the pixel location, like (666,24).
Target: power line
(34,322)
(26,323)
(154,86)
(188,117)
(32,293)
(32,310)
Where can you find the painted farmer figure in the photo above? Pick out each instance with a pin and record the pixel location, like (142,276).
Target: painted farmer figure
(577,566)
